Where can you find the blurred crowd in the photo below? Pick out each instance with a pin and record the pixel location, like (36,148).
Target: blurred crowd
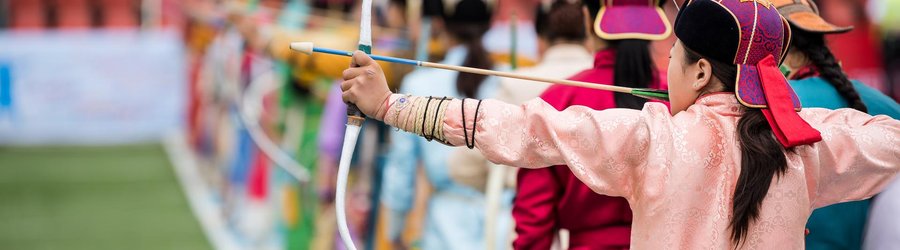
(83,14)
(256,106)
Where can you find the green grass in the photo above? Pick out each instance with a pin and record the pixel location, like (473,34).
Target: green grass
(121,197)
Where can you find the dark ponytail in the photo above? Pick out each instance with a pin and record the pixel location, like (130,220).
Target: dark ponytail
(634,68)
(477,56)
(634,64)
(813,46)
(762,157)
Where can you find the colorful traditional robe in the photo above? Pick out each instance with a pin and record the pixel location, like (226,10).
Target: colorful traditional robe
(679,172)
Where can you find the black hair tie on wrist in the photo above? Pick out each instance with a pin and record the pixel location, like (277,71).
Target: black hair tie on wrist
(474,123)
(436,112)
(424,119)
(465,130)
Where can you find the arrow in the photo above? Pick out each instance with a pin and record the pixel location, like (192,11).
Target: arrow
(653,94)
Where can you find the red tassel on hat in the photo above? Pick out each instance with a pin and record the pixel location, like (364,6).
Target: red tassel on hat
(790,129)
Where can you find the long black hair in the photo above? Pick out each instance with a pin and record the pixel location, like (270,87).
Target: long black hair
(468,23)
(762,157)
(477,57)
(813,46)
(634,67)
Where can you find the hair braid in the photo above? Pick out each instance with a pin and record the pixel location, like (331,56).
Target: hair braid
(813,46)
(762,157)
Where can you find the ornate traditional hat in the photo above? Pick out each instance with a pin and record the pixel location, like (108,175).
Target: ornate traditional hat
(631,19)
(755,37)
(804,14)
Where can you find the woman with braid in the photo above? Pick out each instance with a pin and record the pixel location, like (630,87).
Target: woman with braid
(816,75)
(819,81)
(733,163)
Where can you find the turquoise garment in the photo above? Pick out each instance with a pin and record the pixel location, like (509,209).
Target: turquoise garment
(455,215)
(840,226)
(815,92)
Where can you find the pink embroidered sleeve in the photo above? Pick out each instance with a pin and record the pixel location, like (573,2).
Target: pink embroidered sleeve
(607,149)
(858,155)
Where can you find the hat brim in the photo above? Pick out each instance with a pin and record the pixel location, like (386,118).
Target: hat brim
(643,22)
(811,22)
(749,90)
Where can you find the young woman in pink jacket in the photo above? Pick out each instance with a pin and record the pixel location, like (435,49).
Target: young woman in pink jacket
(735,162)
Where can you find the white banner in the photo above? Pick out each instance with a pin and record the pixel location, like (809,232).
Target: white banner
(90,87)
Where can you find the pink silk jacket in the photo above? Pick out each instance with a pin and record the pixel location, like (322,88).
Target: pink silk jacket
(679,172)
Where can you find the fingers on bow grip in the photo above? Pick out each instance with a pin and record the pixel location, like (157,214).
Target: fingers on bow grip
(361,59)
(347,84)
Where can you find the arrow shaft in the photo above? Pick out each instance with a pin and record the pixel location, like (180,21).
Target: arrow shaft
(530,78)
(481,71)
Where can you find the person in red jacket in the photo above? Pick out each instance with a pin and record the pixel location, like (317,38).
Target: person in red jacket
(551,199)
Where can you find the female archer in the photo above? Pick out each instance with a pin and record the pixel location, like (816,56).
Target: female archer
(734,163)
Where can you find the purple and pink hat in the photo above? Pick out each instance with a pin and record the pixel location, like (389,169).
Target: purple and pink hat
(631,19)
(752,35)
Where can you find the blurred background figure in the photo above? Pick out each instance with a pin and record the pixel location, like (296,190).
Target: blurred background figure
(864,63)
(551,199)
(884,13)
(561,33)
(512,38)
(561,38)
(28,14)
(453,219)
(190,124)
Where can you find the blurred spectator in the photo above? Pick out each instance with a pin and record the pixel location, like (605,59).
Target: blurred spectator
(561,32)
(118,13)
(77,14)
(551,199)
(71,14)
(561,37)
(454,216)
(27,14)
(859,62)
(886,13)
(513,28)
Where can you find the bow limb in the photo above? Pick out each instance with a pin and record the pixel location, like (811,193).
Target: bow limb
(355,118)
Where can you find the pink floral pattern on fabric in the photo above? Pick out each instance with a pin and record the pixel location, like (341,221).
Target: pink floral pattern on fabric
(679,172)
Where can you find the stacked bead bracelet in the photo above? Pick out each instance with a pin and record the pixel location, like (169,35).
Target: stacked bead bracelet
(425,116)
